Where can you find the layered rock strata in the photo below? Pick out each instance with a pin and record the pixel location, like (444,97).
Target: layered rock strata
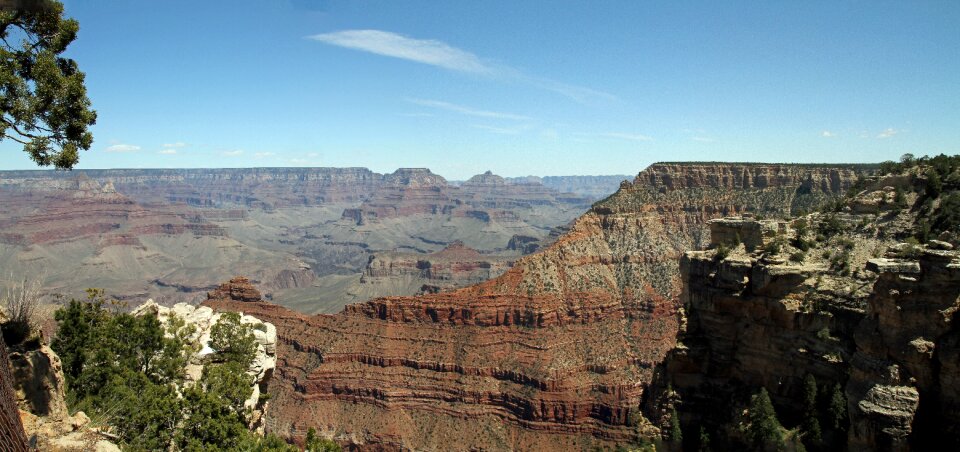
(886,332)
(558,352)
(455,266)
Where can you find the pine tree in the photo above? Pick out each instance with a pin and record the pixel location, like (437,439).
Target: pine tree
(765,430)
(837,409)
(676,434)
(811,425)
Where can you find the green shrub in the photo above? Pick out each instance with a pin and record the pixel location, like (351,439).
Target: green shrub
(315,443)
(722,252)
(798,257)
(773,247)
(233,341)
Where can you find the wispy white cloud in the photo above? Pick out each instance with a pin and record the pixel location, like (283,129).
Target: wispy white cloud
(442,55)
(467,110)
(426,51)
(703,139)
(168,151)
(234,153)
(827,134)
(500,130)
(626,136)
(178,144)
(260,155)
(888,133)
(417,115)
(121,147)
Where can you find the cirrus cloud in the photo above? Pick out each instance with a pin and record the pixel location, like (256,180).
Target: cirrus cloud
(442,55)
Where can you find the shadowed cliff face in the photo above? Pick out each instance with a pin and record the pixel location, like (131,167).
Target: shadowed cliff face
(558,352)
(855,310)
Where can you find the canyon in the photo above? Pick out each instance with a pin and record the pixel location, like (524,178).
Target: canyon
(563,350)
(305,235)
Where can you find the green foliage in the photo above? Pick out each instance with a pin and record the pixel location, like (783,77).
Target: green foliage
(228,381)
(704,443)
(899,198)
(810,426)
(934,185)
(268,443)
(233,341)
(722,252)
(315,443)
(837,409)
(830,226)
(42,94)
(947,216)
(764,431)
(798,257)
(78,324)
(209,423)
(772,247)
(127,370)
(840,262)
(675,434)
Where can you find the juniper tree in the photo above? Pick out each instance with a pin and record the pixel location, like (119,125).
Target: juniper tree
(43,99)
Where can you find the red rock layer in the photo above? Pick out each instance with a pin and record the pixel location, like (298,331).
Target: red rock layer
(237,289)
(556,353)
(53,211)
(457,265)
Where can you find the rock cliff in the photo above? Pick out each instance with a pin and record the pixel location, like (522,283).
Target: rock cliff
(558,352)
(830,295)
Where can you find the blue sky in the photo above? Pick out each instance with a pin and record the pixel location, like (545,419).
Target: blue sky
(542,88)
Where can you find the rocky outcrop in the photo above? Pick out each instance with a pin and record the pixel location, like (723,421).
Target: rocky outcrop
(902,389)
(557,352)
(237,289)
(38,380)
(455,266)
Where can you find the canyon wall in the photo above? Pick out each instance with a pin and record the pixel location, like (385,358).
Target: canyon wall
(854,309)
(560,351)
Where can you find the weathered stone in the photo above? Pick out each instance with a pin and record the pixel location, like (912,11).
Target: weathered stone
(885,265)
(939,245)
(38,381)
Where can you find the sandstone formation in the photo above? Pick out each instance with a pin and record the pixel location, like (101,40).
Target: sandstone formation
(486,197)
(66,210)
(452,267)
(558,352)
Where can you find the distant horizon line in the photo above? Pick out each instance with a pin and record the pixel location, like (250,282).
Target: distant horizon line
(307,168)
